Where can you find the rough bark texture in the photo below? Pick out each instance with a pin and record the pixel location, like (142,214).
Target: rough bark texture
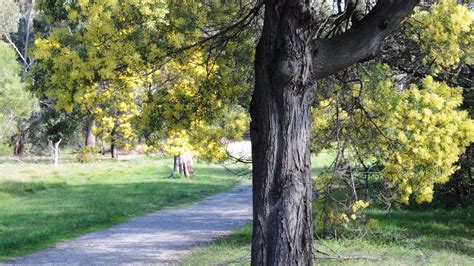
(288,63)
(280,133)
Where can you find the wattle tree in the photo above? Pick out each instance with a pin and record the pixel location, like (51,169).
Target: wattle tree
(289,60)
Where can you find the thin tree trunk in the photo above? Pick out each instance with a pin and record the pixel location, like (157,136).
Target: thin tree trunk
(176,165)
(102,147)
(55,151)
(19,143)
(90,137)
(29,22)
(280,133)
(113,151)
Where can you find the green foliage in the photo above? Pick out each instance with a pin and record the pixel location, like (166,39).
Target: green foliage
(53,125)
(95,59)
(196,100)
(117,68)
(9,17)
(191,111)
(16,104)
(87,155)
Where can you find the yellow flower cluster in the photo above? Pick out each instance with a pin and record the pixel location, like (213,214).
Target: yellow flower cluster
(356,209)
(445,33)
(420,132)
(431,134)
(205,140)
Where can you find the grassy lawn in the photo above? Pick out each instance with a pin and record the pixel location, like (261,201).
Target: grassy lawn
(404,237)
(41,204)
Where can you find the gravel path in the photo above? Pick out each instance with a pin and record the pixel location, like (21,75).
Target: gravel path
(158,238)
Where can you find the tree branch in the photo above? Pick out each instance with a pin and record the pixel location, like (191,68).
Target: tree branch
(362,41)
(10,41)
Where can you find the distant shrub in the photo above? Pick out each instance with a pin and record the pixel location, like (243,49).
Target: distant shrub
(87,155)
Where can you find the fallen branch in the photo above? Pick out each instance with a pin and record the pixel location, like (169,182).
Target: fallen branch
(237,260)
(17,159)
(346,258)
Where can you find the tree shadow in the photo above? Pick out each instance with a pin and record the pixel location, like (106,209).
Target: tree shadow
(436,229)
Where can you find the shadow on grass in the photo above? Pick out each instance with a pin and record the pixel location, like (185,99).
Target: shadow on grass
(431,229)
(27,188)
(241,237)
(53,211)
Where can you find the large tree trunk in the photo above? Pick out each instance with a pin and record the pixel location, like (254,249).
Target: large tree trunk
(288,63)
(280,133)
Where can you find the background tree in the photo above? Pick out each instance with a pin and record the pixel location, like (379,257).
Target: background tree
(17,19)
(95,59)
(16,104)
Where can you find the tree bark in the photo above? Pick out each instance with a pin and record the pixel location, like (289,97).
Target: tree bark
(288,62)
(280,134)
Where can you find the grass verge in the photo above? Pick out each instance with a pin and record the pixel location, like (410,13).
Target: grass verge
(42,204)
(404,237)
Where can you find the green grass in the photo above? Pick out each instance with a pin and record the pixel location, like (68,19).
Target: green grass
(404,237)
(41,204)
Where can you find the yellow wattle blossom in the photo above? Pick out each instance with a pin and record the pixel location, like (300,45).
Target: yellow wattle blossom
(441,32)
(423,131)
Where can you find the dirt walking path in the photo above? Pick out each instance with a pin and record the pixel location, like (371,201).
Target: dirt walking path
(157,238)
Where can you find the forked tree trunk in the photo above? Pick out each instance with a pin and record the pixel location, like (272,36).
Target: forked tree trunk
(183,164)
(186,165)
(54,146)
(280,133)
